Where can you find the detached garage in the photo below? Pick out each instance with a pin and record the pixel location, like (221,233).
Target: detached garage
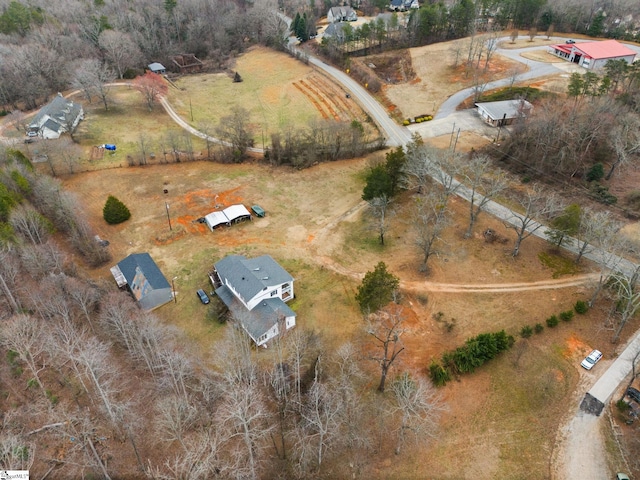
(232,214)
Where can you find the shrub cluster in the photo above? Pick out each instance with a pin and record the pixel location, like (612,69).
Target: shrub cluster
(465,359)
(602,194)
(552,321)
(418,119)
(566,316)
(581,307)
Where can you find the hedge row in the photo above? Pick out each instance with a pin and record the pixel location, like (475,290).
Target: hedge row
(580,308)
(418,119)
(465,359)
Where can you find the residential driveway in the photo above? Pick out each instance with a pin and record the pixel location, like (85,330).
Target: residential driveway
(618,372)
(534,68)
(462,120)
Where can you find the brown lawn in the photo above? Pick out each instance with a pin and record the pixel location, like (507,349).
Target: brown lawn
(315,228)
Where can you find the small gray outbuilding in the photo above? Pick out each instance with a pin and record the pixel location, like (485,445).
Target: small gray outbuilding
(156,67)
(503,112)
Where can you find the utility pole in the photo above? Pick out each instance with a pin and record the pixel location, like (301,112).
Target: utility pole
(168,217)
(173,289)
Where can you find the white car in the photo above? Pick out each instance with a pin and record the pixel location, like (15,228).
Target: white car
(591,359)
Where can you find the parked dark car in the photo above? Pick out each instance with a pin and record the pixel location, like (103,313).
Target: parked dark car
(633,394)
(203,296)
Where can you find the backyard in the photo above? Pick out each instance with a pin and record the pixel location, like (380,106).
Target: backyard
(317,228)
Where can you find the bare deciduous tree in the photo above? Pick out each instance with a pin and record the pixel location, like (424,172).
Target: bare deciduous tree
(97,365)
(595,228)
(535,204)
(176,416)
(625,139)
(484,185)
(244,412)
(93,77)
(627,299)
(40,260)
(8,274)
(30,224)
(379,208)
(321,418)
(430,219)
(386,327)
(16,453)
(25,336)
(418,406)
(120,49)
(236,130)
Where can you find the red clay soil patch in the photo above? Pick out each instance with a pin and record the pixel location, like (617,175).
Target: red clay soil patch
(574,347)
(391,68)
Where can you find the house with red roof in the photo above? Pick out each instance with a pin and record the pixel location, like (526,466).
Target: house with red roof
(593,55)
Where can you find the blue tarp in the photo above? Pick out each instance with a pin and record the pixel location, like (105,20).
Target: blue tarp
(109,146)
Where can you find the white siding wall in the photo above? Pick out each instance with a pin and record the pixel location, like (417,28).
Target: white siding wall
(272,332)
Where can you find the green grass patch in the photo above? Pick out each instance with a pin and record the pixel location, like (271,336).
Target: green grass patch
(560,265)
(531,392)
(515,93)
(125,124)
(274,103)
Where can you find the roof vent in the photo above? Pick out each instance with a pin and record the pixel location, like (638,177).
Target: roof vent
(265,278)
(256,269)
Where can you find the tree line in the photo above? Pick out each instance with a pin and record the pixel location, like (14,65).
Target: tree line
(45,49)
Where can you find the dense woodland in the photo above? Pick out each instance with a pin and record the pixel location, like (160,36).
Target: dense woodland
(46,47)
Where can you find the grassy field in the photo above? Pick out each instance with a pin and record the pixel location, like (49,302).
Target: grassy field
(126,124)
(493,415)
(288,96)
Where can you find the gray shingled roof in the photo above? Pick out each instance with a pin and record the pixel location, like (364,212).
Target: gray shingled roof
(151,271)
(261,319)
(59,110)
(250,276)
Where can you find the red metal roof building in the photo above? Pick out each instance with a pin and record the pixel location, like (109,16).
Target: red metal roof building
(593,55)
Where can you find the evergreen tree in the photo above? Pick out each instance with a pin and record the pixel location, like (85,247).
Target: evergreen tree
(115,211)
(378,183)
(378,288)
(565,224)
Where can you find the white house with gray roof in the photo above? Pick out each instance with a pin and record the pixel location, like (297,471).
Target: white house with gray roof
(341,14)
(255,291)
(58,116)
